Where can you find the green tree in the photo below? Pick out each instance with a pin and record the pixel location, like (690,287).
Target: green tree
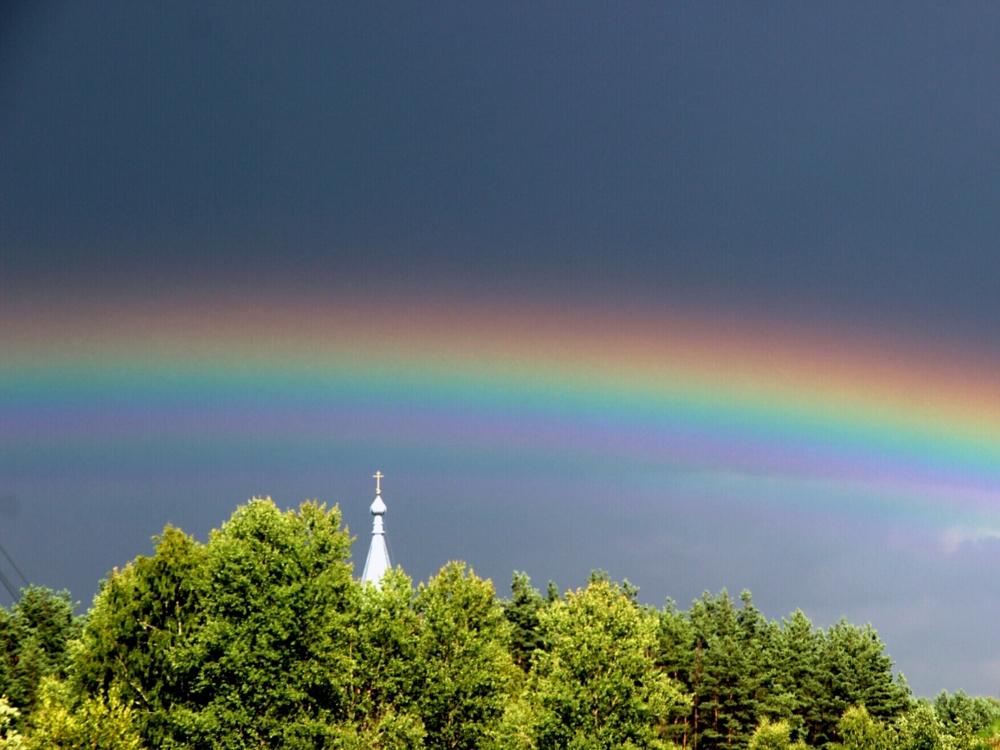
(241,642)
(522,612)
(272,654)
(385,685)
(774,736)
(919,729)
(741,669)
(552,592)
(34,636)
(727,671)
(989,736)
(795,650)
(64,721)
(962,714)
(140,629)
(675,655)
(467,674)
(10,738)
(599,686)
(859,730)
(854,670)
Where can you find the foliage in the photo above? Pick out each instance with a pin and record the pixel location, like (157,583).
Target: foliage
(140,627)
(240,642)
(773,736)
(467,673)
(522,612)
(261,637)
(719,654)
(270,659)
(64,721)
(962,714)
(598,685)
(860,731)
(918,728)
(34,638)
(739,668)
(10,738)
(856,671)
(384,684)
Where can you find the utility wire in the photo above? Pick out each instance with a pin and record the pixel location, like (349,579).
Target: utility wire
(9,586)
(14,566)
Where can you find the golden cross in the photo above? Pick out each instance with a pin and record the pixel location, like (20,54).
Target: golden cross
(378,476)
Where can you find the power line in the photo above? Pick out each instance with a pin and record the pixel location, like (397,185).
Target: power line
(9,586)
(14,566)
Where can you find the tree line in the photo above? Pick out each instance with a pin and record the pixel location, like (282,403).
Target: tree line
(262,638)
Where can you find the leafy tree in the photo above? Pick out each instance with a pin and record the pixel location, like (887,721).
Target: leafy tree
(467,673)
(241,642)
(773,736)
(920,729)
(598,686)
(627,589)
(262,638)
(861,731)
(989,736)
(10,738)
(962,714)
(62,722)
(384,688)
(272,654)
(140,629)
(386,730)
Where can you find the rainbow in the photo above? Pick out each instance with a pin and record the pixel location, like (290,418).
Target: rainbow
(859,419)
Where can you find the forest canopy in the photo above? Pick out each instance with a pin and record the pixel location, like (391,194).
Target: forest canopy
(262,638)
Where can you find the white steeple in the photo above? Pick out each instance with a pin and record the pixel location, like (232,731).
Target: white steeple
(378,556)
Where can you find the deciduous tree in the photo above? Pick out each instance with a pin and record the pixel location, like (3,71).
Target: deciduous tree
(468,674)
(598,685)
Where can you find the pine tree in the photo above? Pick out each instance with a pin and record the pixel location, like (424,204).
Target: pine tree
(854,671)
(796,689)
(522,612)
(34,636)
(726,672)
(675,655)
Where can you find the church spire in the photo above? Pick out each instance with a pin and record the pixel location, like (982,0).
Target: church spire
(378,555)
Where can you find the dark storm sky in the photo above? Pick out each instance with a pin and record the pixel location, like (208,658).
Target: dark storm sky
(839,162)
(843,158)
